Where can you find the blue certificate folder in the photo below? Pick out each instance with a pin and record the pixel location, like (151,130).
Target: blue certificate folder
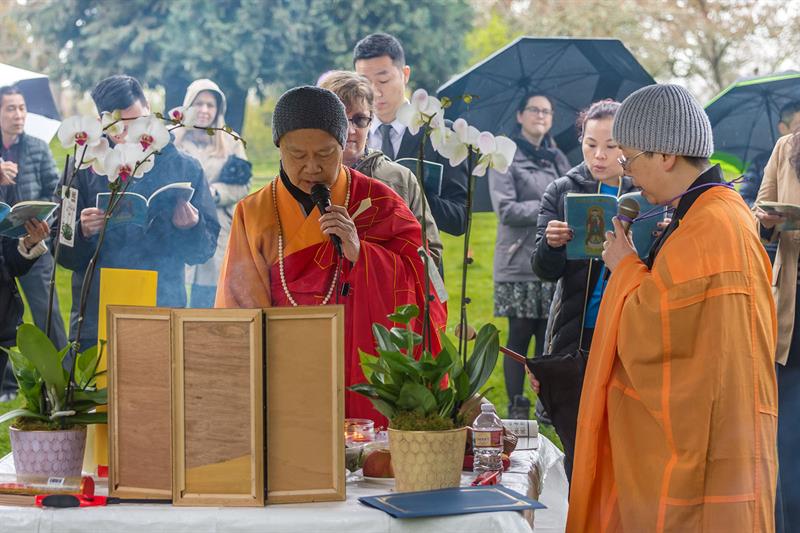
(444,502)
(431,171)
(589,216)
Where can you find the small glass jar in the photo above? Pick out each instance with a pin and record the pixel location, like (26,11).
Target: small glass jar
(358,431)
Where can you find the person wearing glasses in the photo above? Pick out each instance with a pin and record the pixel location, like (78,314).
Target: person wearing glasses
(677,423)
(355,91)
(516,196)
(580,283)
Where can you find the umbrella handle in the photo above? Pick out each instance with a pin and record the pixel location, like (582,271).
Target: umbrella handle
(513,355)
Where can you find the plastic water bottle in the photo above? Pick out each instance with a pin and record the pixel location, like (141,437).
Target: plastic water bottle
(487,441)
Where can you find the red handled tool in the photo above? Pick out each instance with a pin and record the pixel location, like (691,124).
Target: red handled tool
(81,500)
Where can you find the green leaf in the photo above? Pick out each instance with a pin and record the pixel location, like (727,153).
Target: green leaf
(36,347)
(98,397)
(87,418)
(401,336)
(404,313)
(484,357)
(383,338)
(445,399)
(368,363)
(364,389)
(400,364)
(416,397)
(14,413)
(384,408)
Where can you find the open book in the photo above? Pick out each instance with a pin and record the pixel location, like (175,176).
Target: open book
(589,216)
(789,211)
(432,173)
(133,208)
(12,219)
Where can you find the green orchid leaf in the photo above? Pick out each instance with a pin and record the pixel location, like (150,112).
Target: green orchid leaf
(14,413)
(416,397)
(404,313)
(98,397)
(87,418)
(445,399)
(484,357)
(36,347)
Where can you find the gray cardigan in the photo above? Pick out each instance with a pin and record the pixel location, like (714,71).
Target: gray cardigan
(516,195)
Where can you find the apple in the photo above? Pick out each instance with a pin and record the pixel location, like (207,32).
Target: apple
(379,464)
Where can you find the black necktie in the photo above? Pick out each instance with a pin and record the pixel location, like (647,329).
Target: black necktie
(386,140)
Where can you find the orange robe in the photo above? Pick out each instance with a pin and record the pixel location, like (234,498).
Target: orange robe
(388,273)
(677,423)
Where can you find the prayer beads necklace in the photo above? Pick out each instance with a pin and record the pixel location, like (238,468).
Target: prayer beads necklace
(280,244)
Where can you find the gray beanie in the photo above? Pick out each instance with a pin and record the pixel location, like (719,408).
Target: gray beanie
(309,107)
(665,119)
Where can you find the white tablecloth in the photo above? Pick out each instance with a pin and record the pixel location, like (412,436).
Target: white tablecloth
(531,473)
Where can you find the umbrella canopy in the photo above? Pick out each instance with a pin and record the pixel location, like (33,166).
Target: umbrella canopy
(572,72)
(43,118)
(745,116)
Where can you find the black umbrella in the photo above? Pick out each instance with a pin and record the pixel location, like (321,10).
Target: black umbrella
(745,116)
(572,72)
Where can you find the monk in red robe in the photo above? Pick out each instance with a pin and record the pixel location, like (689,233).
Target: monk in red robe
(281,250)
(678,415)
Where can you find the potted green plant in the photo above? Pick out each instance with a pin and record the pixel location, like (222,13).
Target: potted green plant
(48,435)
(424,399)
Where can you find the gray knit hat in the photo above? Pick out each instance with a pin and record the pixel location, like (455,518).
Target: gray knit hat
(309,107)
(665,119)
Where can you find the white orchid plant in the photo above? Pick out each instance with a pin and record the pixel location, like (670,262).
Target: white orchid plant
(462,142)
(53,396)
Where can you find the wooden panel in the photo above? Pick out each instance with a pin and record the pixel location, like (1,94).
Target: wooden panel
(218,407)
(139,402)
(305,404)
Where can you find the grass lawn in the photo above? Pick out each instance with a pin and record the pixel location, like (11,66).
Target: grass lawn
(479,283)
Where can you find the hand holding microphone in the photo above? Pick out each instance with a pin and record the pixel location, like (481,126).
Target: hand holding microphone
(618,244)
(336,223)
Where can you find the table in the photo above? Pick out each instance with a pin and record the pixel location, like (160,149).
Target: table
(530,473)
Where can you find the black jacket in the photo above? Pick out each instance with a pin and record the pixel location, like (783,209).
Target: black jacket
(161,247)
(449,208)
(12,265)
(551,264)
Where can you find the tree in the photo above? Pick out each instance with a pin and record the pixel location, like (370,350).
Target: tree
(241,44)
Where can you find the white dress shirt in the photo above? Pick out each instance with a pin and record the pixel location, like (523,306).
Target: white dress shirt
(375,138)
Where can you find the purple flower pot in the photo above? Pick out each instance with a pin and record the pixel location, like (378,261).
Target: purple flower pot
(48,453)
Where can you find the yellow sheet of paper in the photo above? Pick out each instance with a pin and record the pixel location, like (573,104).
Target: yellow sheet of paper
(117,287)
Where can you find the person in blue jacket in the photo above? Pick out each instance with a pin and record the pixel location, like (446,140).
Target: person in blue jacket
(183,234)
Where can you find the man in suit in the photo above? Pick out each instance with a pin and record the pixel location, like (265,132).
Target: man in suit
(380,58)
(28,172)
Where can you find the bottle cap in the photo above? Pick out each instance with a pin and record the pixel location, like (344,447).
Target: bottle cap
(487,408)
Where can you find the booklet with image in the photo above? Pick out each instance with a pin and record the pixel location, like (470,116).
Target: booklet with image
(590,216)
(790,212)
(12,219)
(134,208)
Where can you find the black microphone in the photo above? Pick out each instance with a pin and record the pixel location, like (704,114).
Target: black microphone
(627,211)
(321,196)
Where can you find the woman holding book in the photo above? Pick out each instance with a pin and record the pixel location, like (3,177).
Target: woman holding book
(580,283)
(516,194)
(781,184)
(228,174)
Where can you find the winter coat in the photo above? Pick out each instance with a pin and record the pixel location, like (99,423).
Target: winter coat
(516,196)
(12,265)
(212,153)
(37,178)
(160,246)
(551,264)
(402,181)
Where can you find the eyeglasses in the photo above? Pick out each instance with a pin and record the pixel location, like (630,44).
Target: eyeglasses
(360,121)
(539,111)
(625,163)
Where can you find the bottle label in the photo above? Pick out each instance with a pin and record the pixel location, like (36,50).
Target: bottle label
(487,439)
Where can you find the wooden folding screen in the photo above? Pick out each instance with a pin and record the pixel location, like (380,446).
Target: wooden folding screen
(305,404)
(218,407)
(139,417)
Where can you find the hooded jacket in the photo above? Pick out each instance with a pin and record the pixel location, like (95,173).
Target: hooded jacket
(212,152)
(402,181)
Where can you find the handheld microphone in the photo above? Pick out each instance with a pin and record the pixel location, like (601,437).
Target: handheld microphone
(627,211)
(321,196)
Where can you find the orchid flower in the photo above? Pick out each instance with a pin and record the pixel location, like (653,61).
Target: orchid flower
(421,110)
(93,156)
(112,123)
(458,144)
(495,152)
(127,160)
(149,132)
(187,116)
(79,130)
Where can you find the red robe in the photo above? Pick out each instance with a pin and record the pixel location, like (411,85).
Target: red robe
(388,273)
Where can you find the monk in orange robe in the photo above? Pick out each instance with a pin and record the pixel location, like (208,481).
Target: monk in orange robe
(281,252)
(678,414)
